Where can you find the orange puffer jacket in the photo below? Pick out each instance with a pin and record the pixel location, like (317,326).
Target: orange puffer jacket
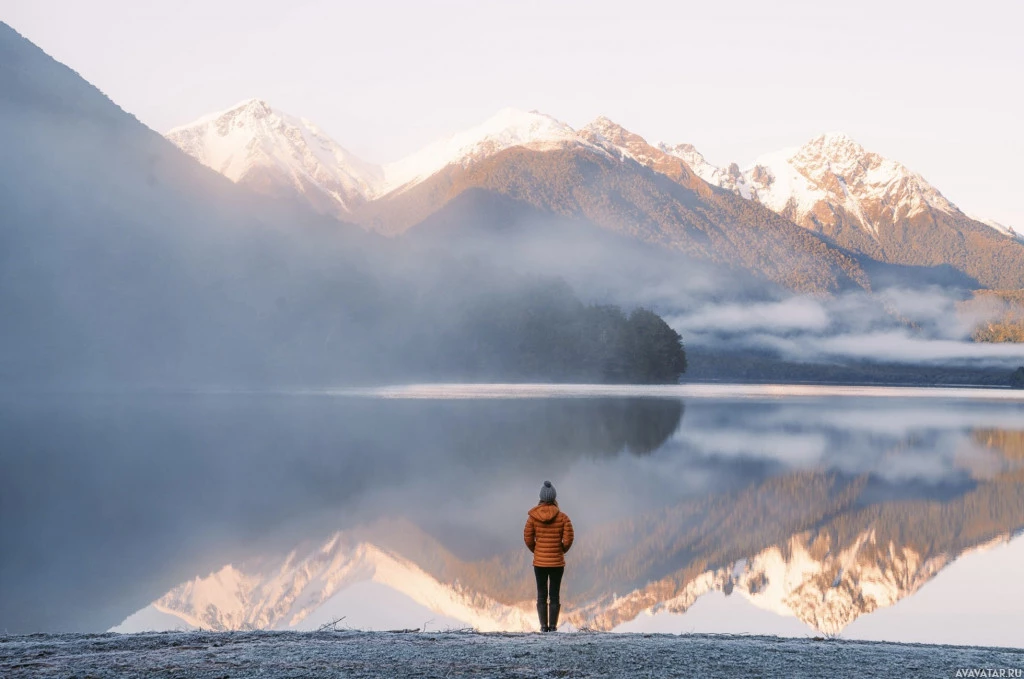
(548,534)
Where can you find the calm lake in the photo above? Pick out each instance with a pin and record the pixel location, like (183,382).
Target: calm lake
(868,513)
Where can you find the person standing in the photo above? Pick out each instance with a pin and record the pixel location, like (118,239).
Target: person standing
(548,534)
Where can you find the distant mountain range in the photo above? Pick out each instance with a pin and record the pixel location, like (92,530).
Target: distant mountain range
(852,208)
(124,261)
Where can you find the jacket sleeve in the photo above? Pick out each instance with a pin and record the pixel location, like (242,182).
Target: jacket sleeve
(530,534)
(567,535)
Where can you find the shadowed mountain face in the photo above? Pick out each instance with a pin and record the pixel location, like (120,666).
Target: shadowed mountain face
(623,197)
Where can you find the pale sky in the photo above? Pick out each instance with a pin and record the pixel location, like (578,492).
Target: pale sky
(935,85)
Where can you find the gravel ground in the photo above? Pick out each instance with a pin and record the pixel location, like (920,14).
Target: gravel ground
(464,654)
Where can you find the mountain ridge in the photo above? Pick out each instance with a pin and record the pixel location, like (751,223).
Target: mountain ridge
(510,127)
(252,137)
(853,199)
(871,205)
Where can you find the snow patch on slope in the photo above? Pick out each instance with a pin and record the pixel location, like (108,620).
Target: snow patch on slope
(775,183)
(508,128)
(729,178)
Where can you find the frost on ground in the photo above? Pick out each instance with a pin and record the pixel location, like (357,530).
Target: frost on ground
(460,654)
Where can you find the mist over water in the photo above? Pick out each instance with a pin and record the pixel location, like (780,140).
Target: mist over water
(148,477)
(119,500)
(909,316)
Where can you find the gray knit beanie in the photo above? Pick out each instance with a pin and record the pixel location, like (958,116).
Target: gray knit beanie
(547,492)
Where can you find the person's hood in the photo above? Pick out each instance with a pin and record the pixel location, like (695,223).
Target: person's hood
(544,512)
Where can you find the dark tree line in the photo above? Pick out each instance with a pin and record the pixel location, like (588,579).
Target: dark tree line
(1017,378)
(543,331)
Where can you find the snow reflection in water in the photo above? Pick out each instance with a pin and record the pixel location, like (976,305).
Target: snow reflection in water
(273,510)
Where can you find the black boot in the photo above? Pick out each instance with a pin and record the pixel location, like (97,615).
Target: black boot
(553,619)
(542,614)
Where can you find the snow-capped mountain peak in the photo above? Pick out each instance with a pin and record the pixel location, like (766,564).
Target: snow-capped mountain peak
(604,126)
(506,129)
(867,176)
(610,134)
(834,144)
(251,139)
(602,129)
(248,109)
(830,184)
(830,180)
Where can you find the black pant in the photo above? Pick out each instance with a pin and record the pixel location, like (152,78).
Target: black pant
(545,574)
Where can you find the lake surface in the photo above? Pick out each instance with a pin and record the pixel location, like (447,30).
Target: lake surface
(876,513)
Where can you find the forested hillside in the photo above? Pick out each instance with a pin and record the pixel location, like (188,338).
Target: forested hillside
(125,262)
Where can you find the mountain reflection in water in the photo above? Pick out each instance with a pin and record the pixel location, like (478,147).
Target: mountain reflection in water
(259,511)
